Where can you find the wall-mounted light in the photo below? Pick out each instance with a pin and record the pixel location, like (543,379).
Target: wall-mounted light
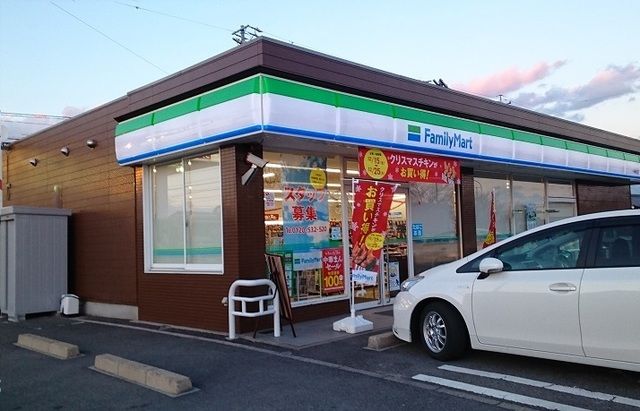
(34,162)
(6,146)
(65,151)
(91,143)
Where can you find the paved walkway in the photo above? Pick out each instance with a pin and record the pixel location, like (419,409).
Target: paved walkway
(316,332)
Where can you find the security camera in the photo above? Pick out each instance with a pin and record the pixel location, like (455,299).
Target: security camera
(256,161)
(5,146)
(91,143)
(33,162)
(65,151)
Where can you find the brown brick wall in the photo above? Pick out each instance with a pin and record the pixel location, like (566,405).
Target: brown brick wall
(99,193)
(594,197)
(194,300)
(468,212)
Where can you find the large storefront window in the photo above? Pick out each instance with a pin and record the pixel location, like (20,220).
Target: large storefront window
(433,225)
(528,204)
(520,204)
(501,189)
(183,215)
(561,202)
(303,222)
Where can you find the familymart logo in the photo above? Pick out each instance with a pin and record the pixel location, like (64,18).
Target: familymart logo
(444,138)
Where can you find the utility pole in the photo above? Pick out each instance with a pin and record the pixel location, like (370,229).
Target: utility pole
(243,34)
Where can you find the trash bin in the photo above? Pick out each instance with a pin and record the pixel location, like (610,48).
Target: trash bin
(69,304)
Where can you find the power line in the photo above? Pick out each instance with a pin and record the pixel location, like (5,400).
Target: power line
(109,38)
(173,16)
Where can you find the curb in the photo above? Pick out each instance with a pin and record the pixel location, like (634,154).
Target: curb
(157,379)
(54,348)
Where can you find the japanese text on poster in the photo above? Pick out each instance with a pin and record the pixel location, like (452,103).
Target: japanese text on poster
(332,270)
(372,201)
(306,202)
(397,166)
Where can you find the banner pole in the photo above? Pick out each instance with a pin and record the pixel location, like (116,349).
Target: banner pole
(352,300)
(353,303)
(352,324)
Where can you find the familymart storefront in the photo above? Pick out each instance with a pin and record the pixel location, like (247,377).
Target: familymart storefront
(316,142)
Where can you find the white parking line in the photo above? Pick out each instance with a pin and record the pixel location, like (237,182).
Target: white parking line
(546,385)
(502,395)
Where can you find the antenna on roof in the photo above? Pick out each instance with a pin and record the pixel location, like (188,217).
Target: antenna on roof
(503,99)
(245,33)
(438,82)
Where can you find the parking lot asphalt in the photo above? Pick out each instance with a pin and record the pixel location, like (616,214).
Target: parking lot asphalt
(241,374)
(320,369)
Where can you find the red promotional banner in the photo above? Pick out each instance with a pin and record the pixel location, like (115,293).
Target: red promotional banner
(332,270)
(397,166)
(371,204)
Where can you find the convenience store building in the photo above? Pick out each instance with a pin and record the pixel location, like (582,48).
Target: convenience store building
(167,212)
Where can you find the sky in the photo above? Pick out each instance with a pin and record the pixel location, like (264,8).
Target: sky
(576,60)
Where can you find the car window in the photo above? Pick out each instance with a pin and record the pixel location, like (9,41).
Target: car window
(548,249)
(618,246)
(559,249)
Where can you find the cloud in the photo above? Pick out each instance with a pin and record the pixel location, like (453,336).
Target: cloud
(612,82)
(509,80)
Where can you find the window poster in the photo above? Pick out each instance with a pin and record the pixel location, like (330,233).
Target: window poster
(393,268)
(269,201)
(390,165)
(305,201)
(332,270)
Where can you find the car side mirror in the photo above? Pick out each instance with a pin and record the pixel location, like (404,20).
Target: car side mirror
(489,266)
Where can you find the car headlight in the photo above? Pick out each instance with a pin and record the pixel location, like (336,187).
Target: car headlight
(407,284)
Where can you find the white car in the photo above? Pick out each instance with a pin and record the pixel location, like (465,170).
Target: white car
(568,290)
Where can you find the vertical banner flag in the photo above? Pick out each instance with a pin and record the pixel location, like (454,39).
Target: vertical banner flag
(398,166)
(491,234)
(371,204)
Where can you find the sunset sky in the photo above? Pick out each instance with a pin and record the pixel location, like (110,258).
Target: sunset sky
(577,60)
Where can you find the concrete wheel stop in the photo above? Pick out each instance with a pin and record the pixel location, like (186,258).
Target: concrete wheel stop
(53,348)
(384,341)
(157,379)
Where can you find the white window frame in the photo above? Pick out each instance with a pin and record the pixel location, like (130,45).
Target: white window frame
(147,210)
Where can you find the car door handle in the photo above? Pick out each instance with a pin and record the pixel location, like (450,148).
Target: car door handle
(562,287)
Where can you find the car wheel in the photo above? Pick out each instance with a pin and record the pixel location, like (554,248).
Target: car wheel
(442,332)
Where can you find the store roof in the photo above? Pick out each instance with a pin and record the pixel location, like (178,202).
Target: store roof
(264,55)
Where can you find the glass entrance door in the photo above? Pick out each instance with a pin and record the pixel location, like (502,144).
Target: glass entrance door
(395,267)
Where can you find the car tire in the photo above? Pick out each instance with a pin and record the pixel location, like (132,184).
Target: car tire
(443,332)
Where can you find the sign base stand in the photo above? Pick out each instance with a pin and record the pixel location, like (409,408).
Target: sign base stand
(353,324)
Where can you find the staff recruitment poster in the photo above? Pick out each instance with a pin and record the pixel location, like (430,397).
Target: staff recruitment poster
(306,202)
(372,201)
(305,214)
